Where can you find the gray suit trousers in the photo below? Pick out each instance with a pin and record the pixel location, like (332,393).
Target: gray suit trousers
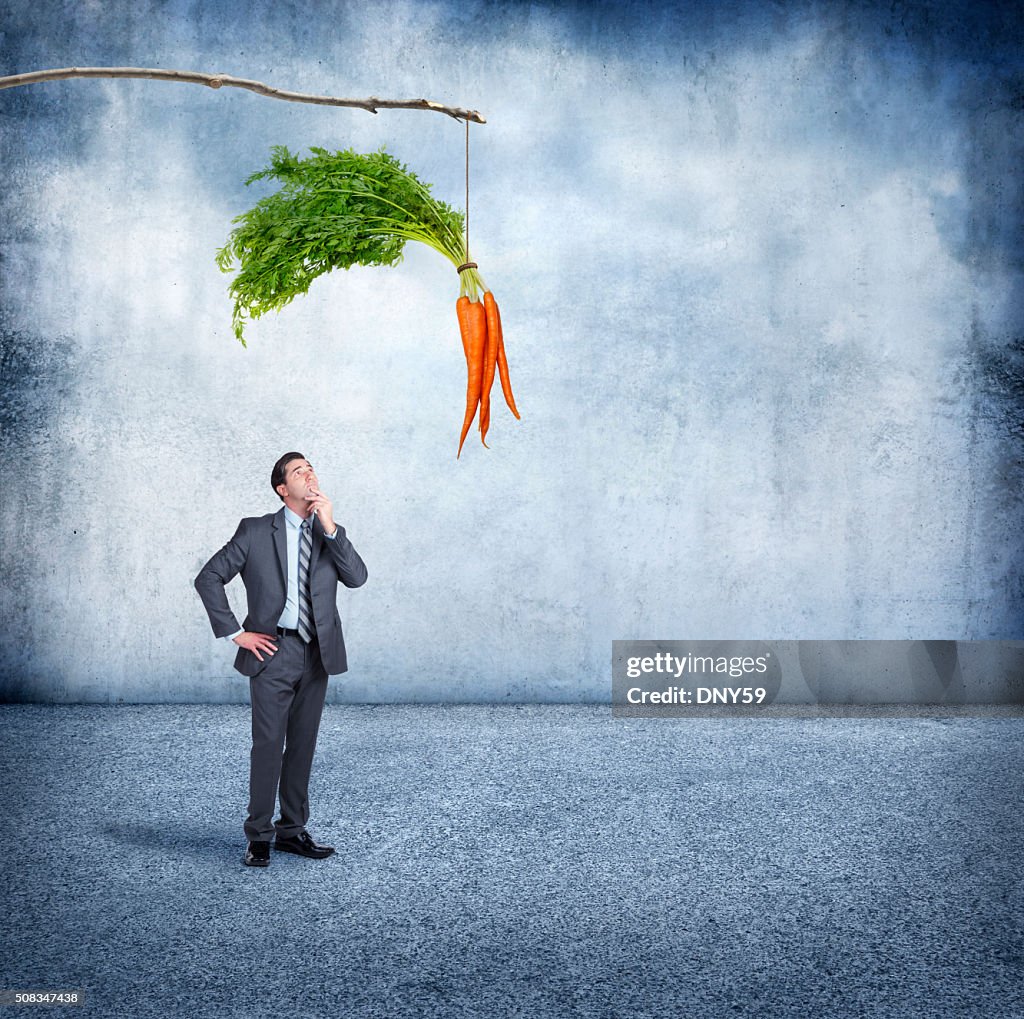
(287,699)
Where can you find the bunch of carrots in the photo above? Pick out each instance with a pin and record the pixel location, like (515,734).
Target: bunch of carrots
(484,347)
(334,210)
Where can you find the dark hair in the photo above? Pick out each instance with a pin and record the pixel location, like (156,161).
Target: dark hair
(277,474)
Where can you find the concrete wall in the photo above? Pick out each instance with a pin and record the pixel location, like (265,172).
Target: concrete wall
(760,269)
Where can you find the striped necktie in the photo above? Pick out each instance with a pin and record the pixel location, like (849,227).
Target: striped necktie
(305,608)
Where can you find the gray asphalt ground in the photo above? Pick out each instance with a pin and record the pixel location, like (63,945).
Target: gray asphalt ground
(519,861)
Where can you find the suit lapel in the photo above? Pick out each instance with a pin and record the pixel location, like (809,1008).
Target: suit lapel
(278,526)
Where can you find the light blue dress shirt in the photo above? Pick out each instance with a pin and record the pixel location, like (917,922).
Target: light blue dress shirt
(290,616)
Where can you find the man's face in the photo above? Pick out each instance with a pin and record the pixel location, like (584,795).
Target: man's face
(299,480)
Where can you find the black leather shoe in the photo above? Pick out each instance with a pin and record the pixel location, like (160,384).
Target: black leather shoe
(303,845)
(257,855)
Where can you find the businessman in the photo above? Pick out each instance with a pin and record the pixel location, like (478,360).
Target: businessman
(291,563)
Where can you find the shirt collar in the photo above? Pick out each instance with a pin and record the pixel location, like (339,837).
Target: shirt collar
(293,519)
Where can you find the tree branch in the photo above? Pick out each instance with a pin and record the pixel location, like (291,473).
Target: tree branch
(372,104)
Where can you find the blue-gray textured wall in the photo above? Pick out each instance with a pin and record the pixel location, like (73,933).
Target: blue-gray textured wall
(760,268)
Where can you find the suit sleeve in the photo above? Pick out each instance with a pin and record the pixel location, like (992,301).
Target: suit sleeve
(350,568)
(212,578)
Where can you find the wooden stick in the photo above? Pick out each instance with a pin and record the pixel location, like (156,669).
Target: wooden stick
(373,104)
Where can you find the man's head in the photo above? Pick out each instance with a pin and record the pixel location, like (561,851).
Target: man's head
(291,477)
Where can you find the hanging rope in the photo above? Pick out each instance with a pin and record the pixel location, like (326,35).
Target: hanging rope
(467,264)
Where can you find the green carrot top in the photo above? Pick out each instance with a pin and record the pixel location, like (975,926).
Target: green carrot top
(333,210)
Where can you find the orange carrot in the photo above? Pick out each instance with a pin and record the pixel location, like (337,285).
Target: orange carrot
(475,346)
(506,385)
(490,361)
(462,310)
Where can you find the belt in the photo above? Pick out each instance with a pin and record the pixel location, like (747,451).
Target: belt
(283,631)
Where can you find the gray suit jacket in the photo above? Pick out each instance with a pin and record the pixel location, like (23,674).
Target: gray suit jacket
(259,552)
